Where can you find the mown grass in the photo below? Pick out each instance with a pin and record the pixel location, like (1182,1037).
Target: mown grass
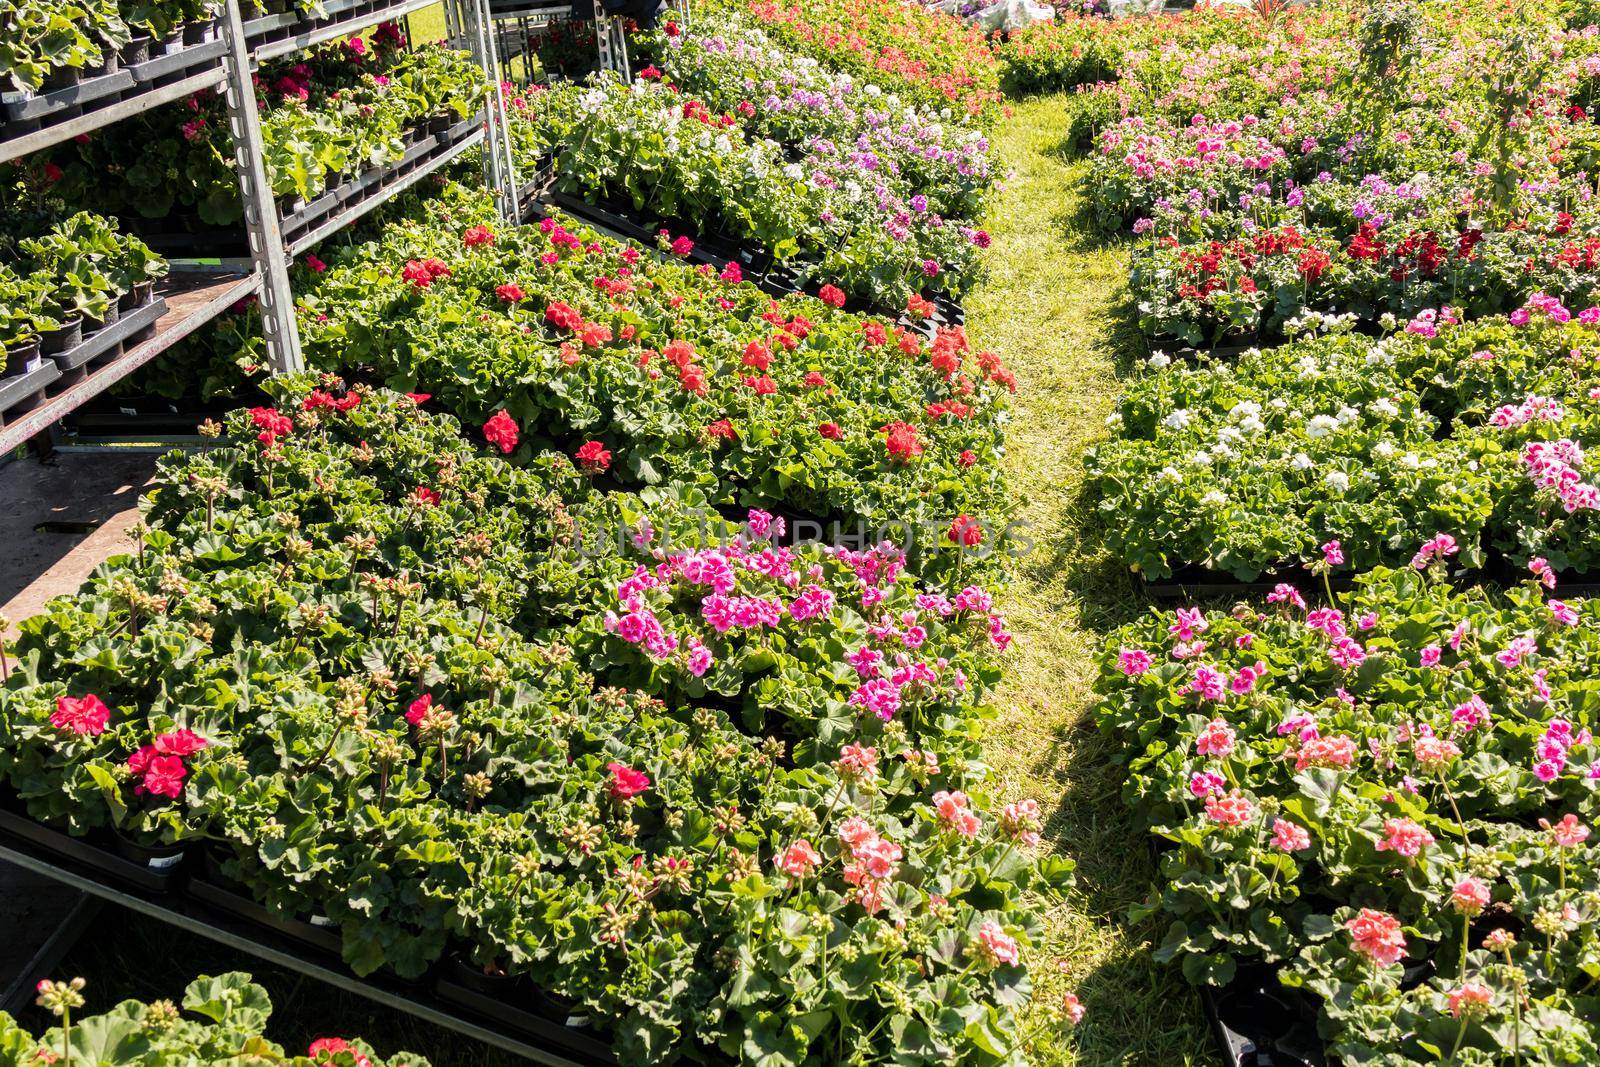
(1055,307)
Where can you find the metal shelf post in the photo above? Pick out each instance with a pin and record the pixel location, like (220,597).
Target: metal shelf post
(612,42)
(260,210)
(499,166)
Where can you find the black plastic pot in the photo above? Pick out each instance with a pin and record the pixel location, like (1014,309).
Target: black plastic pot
(560,1009)
(61,78)
(143,293)
(438,125)
(198,32)
(109,64)
(173,42)
(70,335)
(136,51)
(161,859)
(461,971)
(111,316)
(21,358)
(1257,1021)
(15,822)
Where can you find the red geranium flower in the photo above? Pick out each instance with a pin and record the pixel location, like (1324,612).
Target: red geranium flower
(324,1049)
(563,315)
(81,715)
(831,295)
(626,782)
(593,457)
(478,235)
(425,497)
(510,292)
(830,430)
(901,441)
(501,429)
(418,708)
(966,530)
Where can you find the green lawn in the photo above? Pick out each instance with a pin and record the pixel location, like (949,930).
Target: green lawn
(1055,307)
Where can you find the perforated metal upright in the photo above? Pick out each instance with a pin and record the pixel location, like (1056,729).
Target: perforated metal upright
(613,44)
(471,26)
(260,212)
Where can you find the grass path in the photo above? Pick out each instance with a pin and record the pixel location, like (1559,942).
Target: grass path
(1054,308)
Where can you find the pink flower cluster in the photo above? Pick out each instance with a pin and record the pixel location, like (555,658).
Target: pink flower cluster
(1554,749)
(874,861)
(86,715)
(159,765)
(1377,936)
(956,814)
(1533,409)
(1555,466)
(1440,547)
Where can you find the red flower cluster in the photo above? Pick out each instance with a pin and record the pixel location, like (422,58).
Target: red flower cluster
(319,398)
(478,235)
(81,715)
(424,272)
(966,531)
(563,316)
(510,292)
(593,457)
(831,295)
(272,423)
(160,764)
(626,782)
(324,1049)
(900,439)
(501,430)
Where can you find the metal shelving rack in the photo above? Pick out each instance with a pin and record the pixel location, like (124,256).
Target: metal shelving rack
(194,297)
(539,1041)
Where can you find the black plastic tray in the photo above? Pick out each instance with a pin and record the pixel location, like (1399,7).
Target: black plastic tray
(20,390)
(103,859)
(127,327)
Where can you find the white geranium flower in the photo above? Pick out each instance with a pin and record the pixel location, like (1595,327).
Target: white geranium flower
(1301,462)
(1338,481)
(1178,420)
(1320,426)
